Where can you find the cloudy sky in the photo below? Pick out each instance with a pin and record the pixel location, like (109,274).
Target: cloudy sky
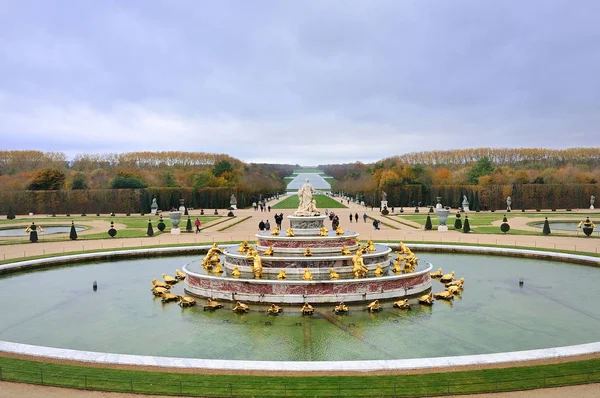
(306,82)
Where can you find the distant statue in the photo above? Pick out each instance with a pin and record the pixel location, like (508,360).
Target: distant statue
(383,195)
(592,200)
(508,203)
(233,202)
(153,206)
(306,206)
(465,203)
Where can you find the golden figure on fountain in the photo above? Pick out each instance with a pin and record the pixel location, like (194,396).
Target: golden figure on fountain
(212,305)
(374,306)
(378,271)
(217,269)
(345,251)
(307,309)
(445,295)
(447,278)
(179,275)
(341,308)
(333,274)
(281,275)
(436,274)
(274,309)
(339,231)
(370,246)
(256,267)
(241,308)
(307,275)
(460,282)
(402,304)
(307,252)
(243,247)
(269,251)
(323,231)
(236,272)
(426,299)
(359,269)
(289,232)
(397,265)
(275,231)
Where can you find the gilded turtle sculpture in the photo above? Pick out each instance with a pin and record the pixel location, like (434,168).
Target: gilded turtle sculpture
(307,309)
(169,279)
(341,308)
(445,295)
(374,306)
(186,301)
(436,274)
(212,305)
(459,282)
(179,275)
(241,308)
(447,278)
(402,304)
(168,297)
(426,299)
(274,309)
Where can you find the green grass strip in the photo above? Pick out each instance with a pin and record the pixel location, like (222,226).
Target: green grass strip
(219,385)
(384,223)
(235,223)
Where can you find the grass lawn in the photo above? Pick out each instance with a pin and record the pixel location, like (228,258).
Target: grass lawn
(211,385)
(323,202)
(308,171)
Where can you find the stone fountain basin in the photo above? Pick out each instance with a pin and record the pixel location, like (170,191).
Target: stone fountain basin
(290,291)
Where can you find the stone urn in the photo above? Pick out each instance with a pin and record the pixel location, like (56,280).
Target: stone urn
(439,203)
(175,217)
(442,215)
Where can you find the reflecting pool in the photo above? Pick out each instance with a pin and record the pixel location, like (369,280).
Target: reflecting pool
(556,306)
(47,231)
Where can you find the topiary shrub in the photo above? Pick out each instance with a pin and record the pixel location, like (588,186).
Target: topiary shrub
(73,234)
(401,210)
(466,226)
(457,222)
(505,227)
(416,209)
(185,213)
(385,211)
(216,213)
(112,231)
(546,230)
(10,214)
(188,225)
(150,230)
(201,212)
(161,224)
(428,225)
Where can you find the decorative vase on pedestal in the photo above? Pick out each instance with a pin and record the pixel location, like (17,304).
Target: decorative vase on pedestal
(175,217)
(442,215)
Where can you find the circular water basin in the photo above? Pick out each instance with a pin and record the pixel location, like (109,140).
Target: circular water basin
(559,225)
(493,314)
(47,230)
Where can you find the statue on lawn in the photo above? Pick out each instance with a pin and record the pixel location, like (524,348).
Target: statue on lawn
(306,204)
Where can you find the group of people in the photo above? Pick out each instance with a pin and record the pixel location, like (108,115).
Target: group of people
(278,220)
(261,205)
(264,225)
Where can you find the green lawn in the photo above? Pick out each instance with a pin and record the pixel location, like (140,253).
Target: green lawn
(212,385)
(323,202)
(308,171)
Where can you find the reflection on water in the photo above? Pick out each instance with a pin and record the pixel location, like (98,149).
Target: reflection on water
(493,314)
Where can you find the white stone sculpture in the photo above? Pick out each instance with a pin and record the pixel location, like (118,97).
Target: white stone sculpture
(508,203)
(592,200)
(306,207)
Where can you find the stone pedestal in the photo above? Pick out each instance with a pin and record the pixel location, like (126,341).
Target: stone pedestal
(442,228)
(592,207)
(175,231)
(384,204)
(306,225)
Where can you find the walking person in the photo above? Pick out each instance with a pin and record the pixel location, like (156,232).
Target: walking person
(350,217)
(267,225)
(365,217)
(197,224)
(261,225)
(356,217)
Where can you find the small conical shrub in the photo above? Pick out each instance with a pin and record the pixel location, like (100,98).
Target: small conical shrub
(186,213)
(188,226)
(10,214)
(428,225)
(150,231)
(161,224)
(466,226)
(73,234)
(457,222)
(546,230)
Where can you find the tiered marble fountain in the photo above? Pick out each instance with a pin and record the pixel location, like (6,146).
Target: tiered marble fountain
(288,254)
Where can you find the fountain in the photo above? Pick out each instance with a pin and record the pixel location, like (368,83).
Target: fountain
(275,269)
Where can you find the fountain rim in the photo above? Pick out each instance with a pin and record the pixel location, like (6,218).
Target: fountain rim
(300,366)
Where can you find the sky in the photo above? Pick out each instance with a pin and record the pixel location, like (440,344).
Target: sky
(300,82)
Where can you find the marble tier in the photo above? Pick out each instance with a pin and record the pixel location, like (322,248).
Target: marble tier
(314,292)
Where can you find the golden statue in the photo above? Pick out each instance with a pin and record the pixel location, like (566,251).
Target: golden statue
(307,252)
(426,299)
(307,309)
(236,272)
(403,249)
(168,297)
(333,274)
(447,278)
(370,247)
(169,279)
(156,283)
(179,275)
(217,269)
(396,269)
(402,304)
(460,282)
(363,249)
(345,251)
(323,231)
(274,309)
(341,308)
(281,274)
(586,224)
(159,291)
(241,308)
(186,301)
(212,305)
(289,232)
(445,295)
(357,241)
(243,247)
(256,267)
(359,269)
(454,289)
(339,231)
(437,274)
(378,271)
(275,231)
(269,251)
(212,256)
(374,306)
(307,275)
